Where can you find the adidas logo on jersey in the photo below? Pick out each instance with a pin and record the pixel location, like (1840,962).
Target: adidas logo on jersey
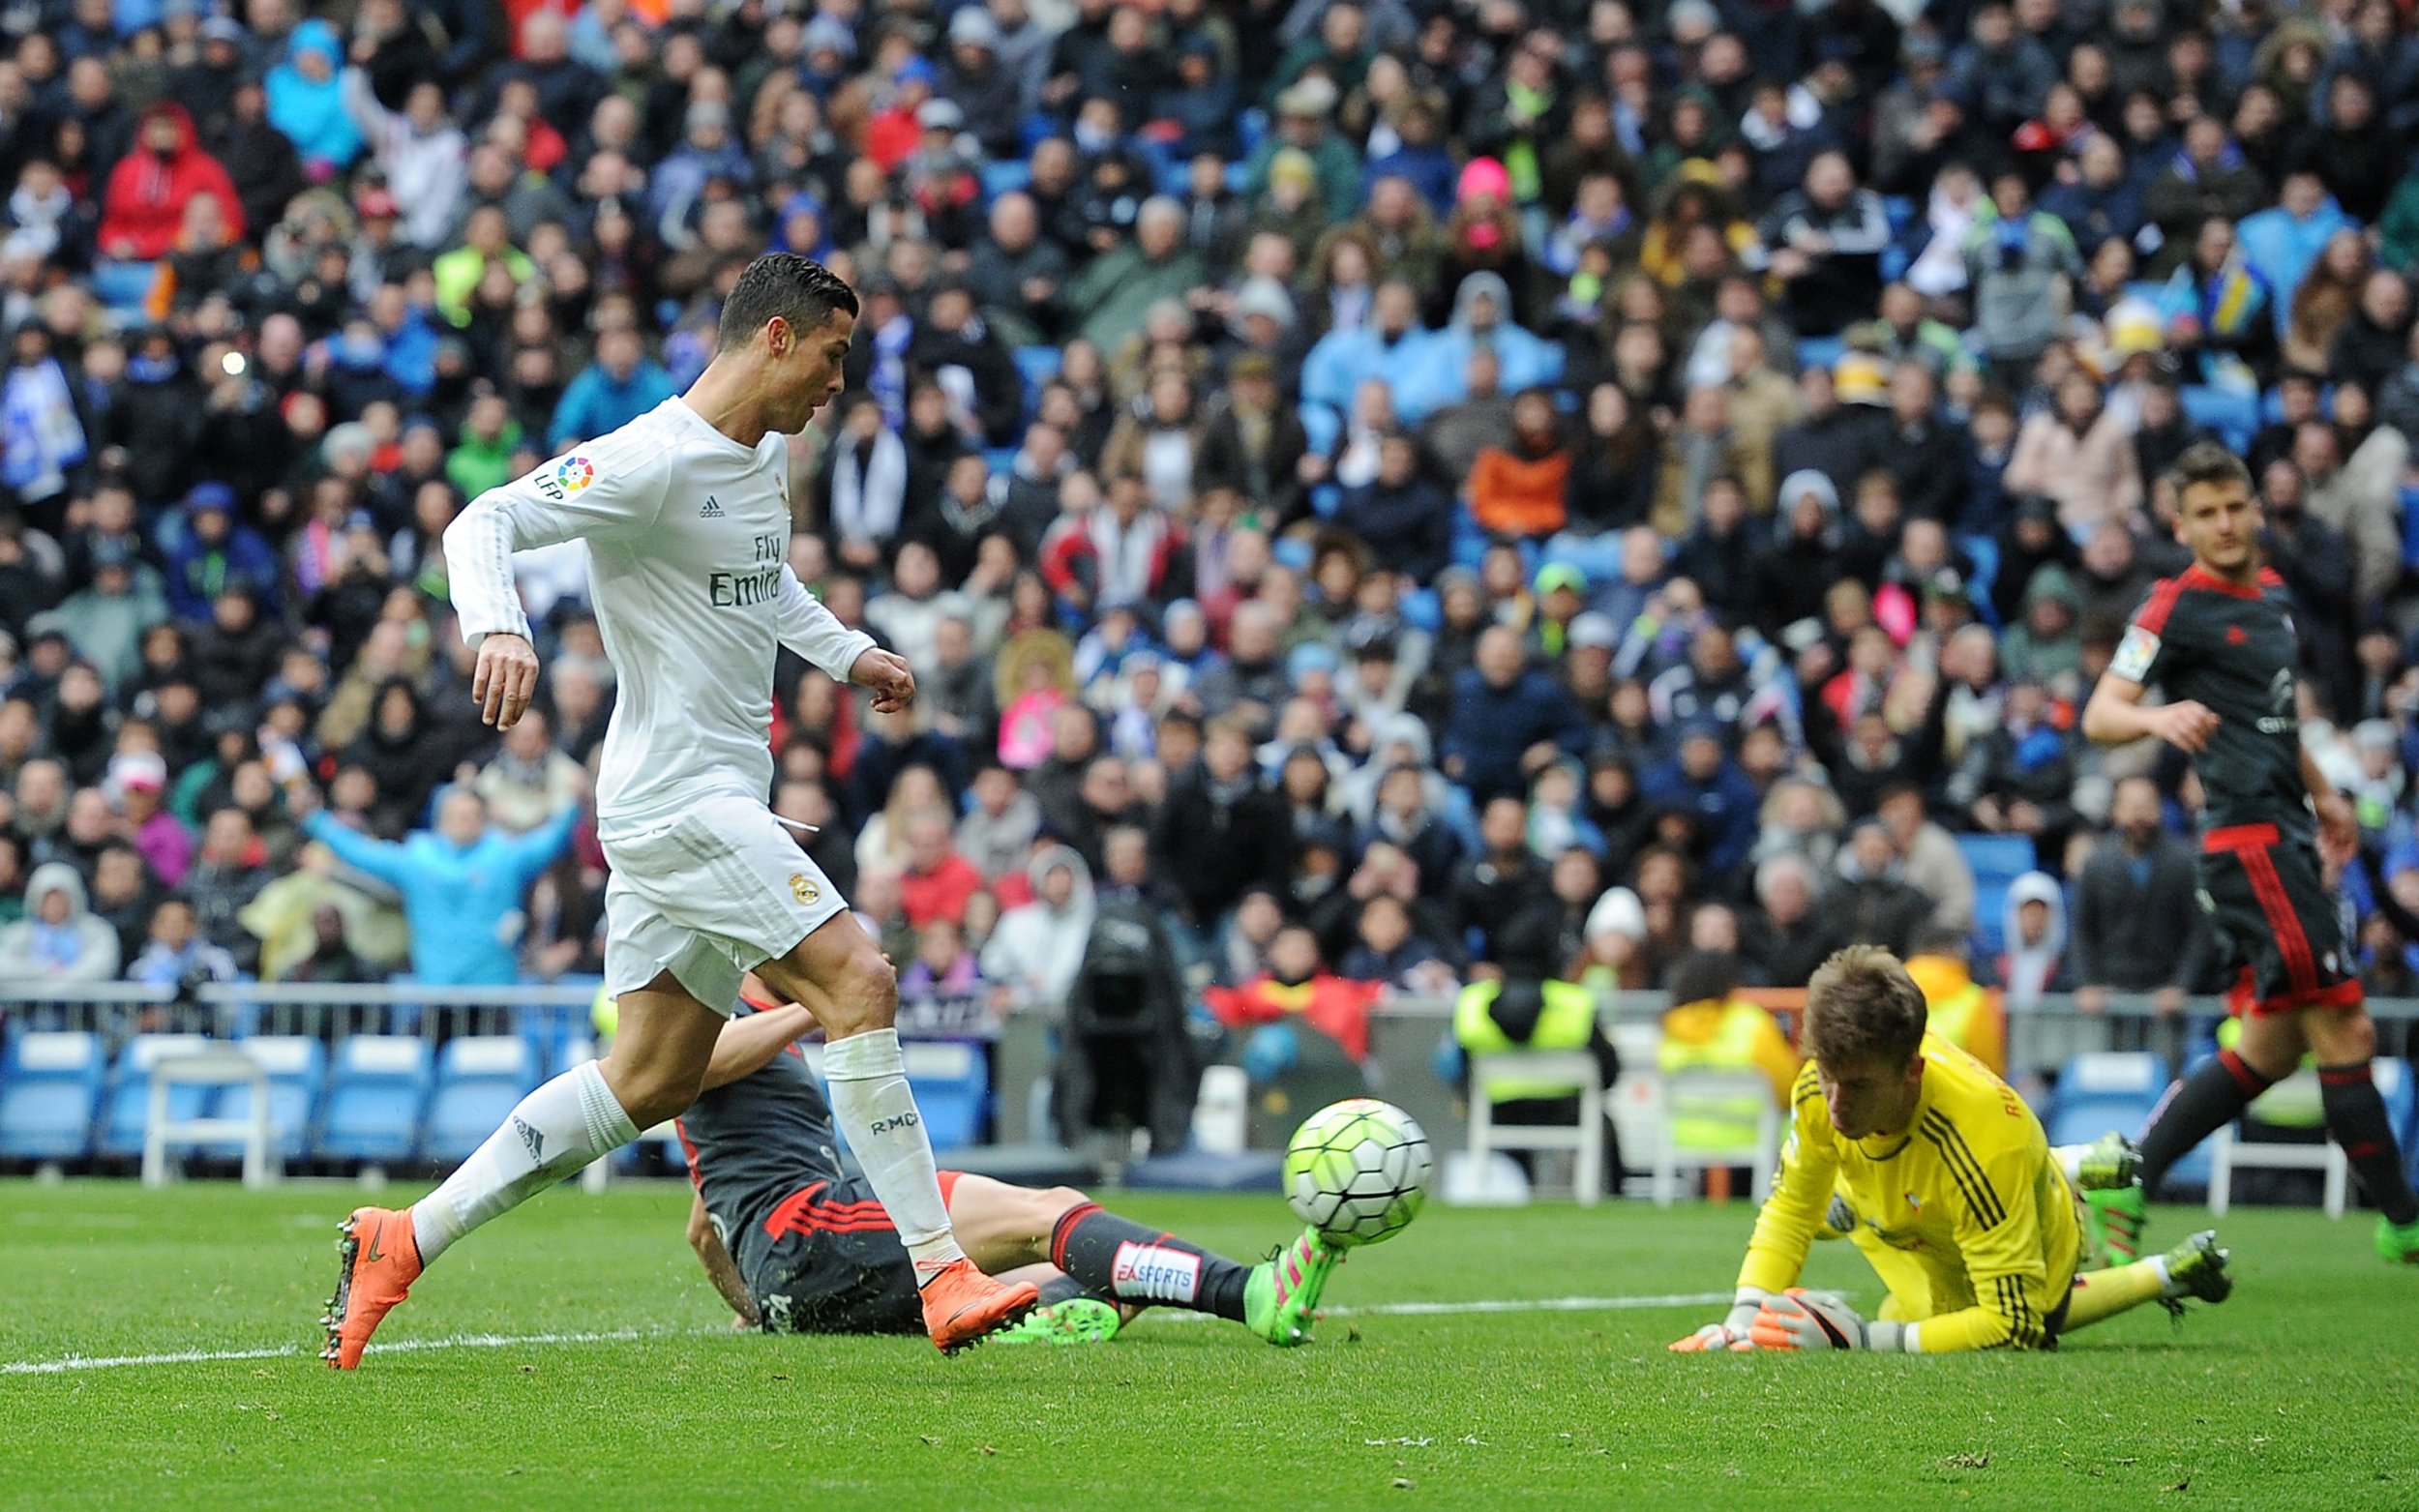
(711,509)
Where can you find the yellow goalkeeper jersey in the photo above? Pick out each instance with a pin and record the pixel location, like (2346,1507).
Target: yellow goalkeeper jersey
(1965,1213)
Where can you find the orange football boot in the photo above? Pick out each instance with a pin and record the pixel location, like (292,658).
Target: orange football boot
(382,1259)
(962,1304)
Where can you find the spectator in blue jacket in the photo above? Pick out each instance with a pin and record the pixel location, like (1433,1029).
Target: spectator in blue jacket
(1437,374)
(463,884)
(622,384)
(214,551)
(1509,721)
(2283,240)
(307,99)
(1380,347)
(1701,780)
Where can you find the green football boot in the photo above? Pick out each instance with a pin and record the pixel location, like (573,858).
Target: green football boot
(1078,1319)
(2118,1215)
(2397,1242)
(2108,1163)
(2196,1269)
(1281,1296)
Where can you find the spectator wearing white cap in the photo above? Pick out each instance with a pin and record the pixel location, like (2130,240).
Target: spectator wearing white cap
(1614,952)
(137,784)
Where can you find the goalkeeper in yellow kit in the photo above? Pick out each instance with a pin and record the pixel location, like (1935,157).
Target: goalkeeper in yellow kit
(1941,1176)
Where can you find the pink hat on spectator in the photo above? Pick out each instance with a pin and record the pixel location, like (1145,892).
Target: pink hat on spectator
(1483,176)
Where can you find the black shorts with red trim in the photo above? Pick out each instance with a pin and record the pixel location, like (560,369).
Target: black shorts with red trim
(835,1263)
(2276,920)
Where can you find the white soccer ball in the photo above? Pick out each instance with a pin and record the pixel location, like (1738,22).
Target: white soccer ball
(1358,1170)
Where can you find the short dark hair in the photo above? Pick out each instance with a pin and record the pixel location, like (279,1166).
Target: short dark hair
(1860,1005)
(2206,461)
(1704,976)
(796,288)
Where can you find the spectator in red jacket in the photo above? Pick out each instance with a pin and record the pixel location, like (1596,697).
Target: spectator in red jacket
(149,187)
(1297,981)
(938,881)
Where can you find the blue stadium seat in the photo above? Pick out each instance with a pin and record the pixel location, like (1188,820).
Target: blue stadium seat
(2402,1098)
(1038,365)
(1004,178)
(2234,416)
(1995,860)
(49,1091)
(1819,351)
(125,287)
(479,1078)
(952,1085)
(1252,128)
(2106,1090)
(129,1095)
(1984,553)
(297,1066)
(374,1100)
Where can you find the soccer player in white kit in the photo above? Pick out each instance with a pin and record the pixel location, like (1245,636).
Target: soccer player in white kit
(685,516)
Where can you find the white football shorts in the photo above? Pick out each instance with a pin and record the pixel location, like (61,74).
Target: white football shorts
(710,895)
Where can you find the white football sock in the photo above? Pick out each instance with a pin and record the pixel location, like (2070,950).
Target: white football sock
(554,1130)
(876,1111)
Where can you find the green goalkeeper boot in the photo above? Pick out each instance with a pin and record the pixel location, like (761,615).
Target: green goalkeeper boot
(2196,1269)
(2397,1242)
(1281,1296)
(2118,1215)
(1079,1320)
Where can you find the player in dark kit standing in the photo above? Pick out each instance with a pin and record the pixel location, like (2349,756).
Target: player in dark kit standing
(795,1246)
(2218,640)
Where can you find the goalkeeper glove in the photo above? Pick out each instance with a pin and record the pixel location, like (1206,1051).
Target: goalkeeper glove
(1802,1320)
(1731,1332)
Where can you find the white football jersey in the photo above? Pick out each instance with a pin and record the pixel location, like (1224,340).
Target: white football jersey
(687,535)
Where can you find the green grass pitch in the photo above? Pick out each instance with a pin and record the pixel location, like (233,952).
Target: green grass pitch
(2297,1393)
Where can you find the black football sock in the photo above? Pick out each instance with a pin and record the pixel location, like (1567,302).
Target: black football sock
(1067,1289)
(2205,1102)
(1130,1262)
(2356,1117)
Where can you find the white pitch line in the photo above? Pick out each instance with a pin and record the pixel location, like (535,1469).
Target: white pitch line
(500,1341)
(115,1362)
(460,1340)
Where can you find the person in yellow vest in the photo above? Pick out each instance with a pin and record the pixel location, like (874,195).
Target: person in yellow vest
(1708,1027)
(1524,1011)
(1965,1015)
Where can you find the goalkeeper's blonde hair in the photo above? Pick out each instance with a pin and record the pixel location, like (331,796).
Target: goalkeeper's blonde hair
(1862,1005)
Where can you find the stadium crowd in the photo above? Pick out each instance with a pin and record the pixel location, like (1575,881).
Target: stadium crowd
(1406,488)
